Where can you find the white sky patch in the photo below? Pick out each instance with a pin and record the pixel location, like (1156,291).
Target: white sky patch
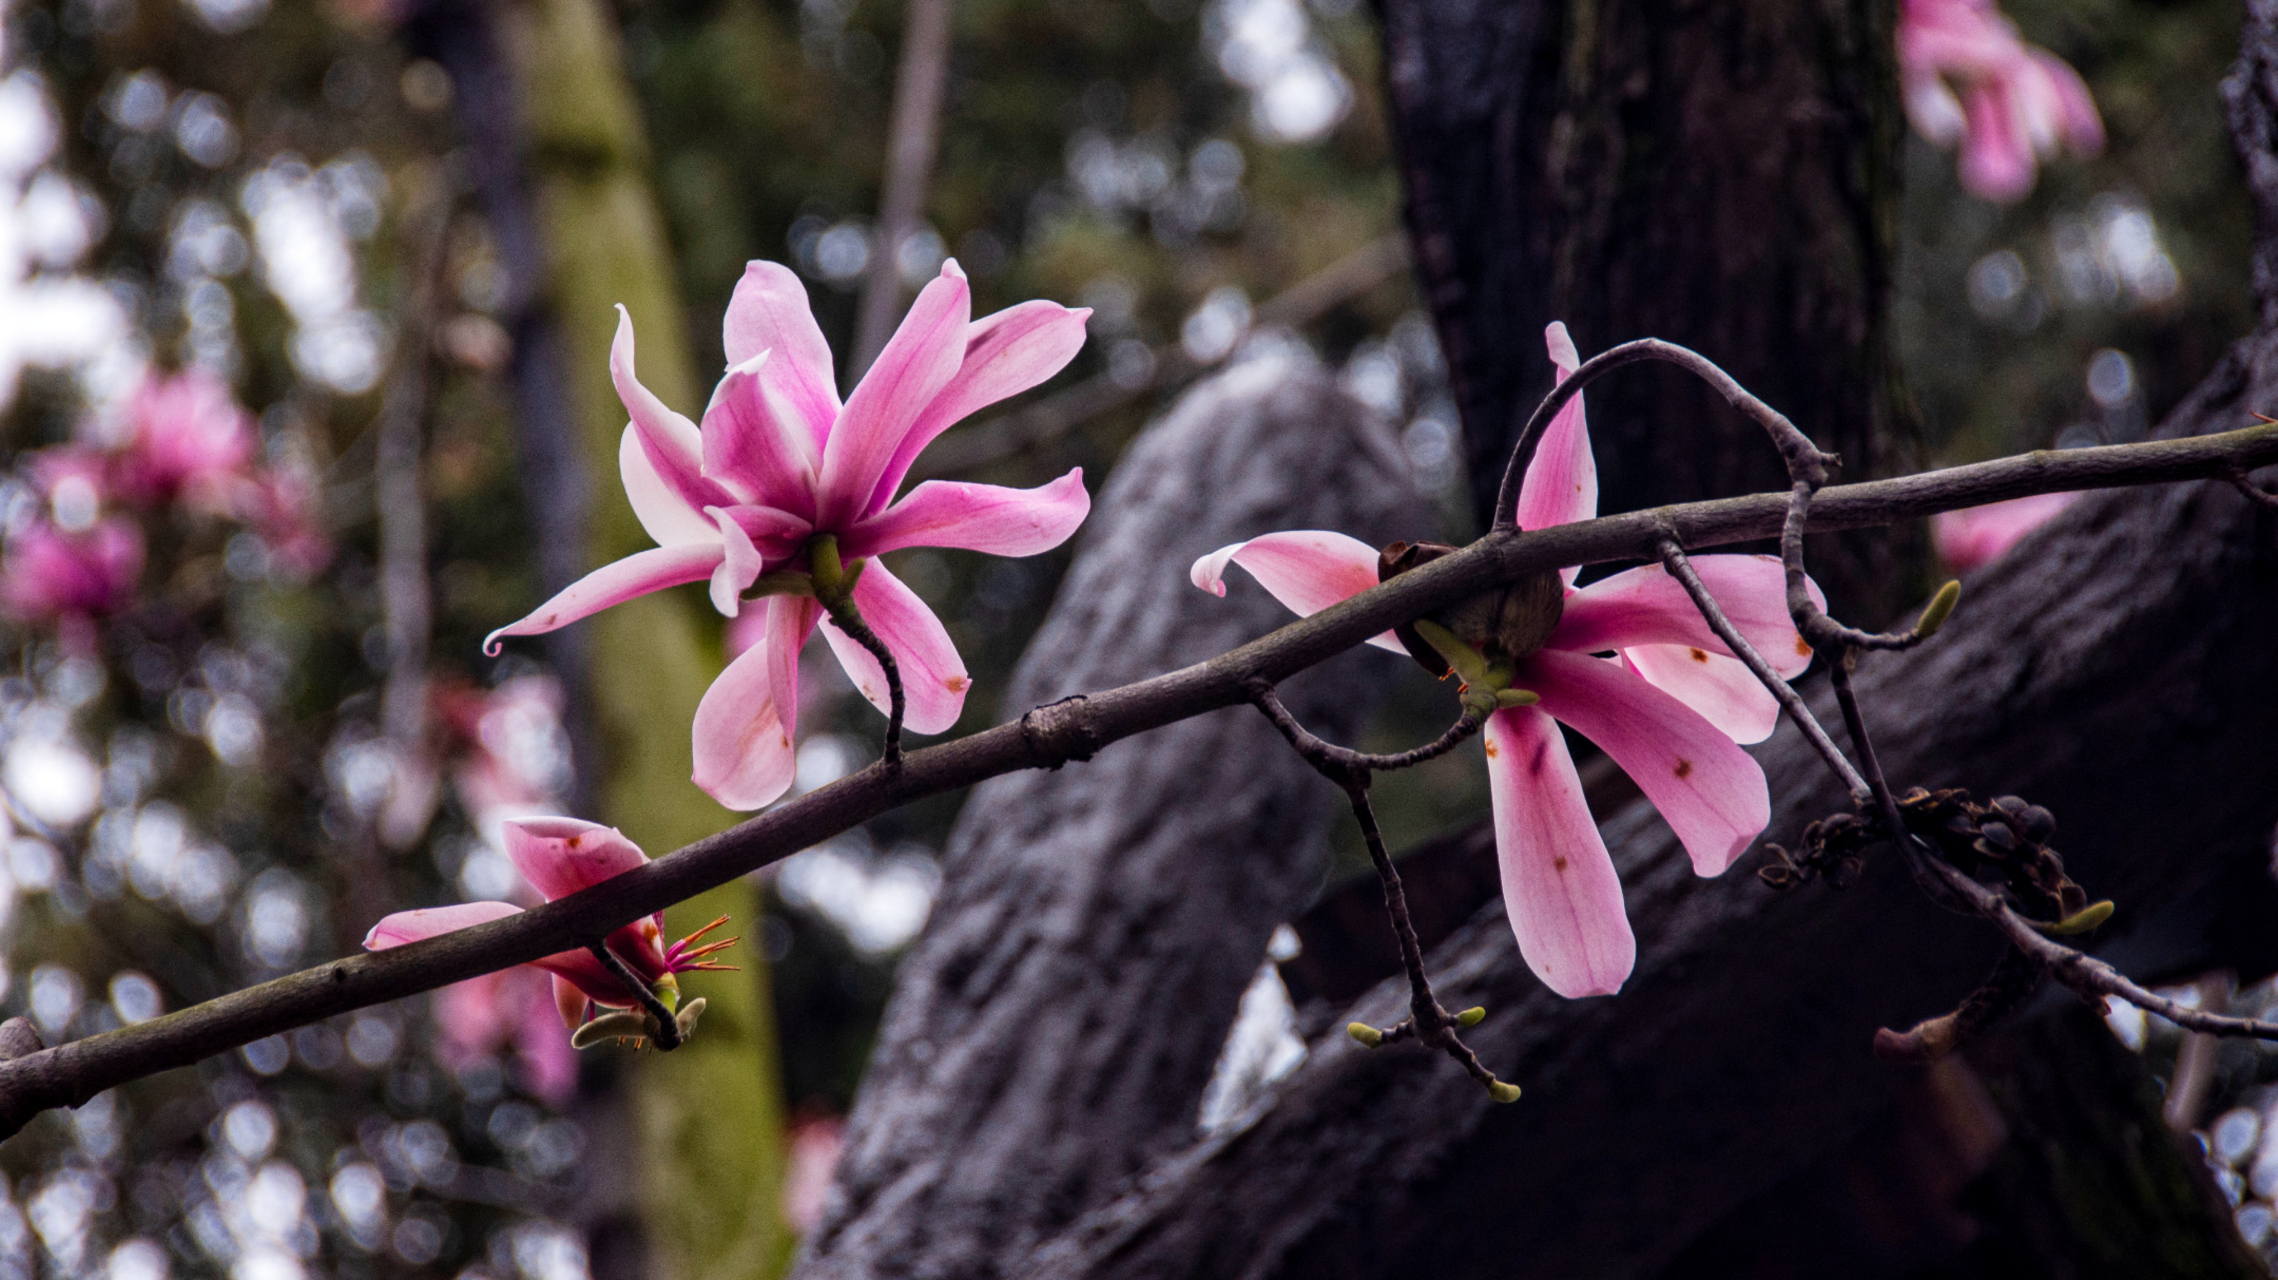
(303,224)
(878,900)
(1297,94)
(50,316)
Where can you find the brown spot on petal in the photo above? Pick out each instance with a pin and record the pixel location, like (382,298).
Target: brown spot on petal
(1558,865)
(957,684)
(1803,646)
(1699,655)
(1684,769)
(1492,751)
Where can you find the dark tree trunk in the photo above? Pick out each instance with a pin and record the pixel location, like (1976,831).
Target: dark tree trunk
(1054,1029)
(1718,175)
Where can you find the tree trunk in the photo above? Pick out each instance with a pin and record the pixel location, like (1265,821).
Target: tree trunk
(1718,175)
(1054,1029)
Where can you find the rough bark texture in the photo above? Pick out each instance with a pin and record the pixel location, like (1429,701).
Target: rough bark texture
(1717,175)
(1053,1030)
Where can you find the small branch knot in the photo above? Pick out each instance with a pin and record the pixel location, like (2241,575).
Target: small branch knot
(1058,732)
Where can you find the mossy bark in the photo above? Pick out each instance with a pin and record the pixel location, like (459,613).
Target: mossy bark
(710,1113)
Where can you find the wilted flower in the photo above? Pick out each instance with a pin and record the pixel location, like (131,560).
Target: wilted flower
(1669,704)
(783,483)
(1969,80)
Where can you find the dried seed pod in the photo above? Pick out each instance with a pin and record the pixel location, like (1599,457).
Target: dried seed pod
(1998,834)
(2038,823)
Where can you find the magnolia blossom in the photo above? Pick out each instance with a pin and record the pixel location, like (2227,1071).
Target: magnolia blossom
(1669,704)
(189,437)
(1974,536)
(780,463)
(52,574)
(1969,79)
(560,856)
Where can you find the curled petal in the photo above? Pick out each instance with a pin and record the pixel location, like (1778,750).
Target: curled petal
(560,856)
(769,313)
(1561,484)
(430,922)
(917,363)
(740,563)
(756,439)
(1005,354)
(662,456)
(1559,888)
(1980,535)
(977,517)
(614,583)
(933,676)
(1723,690)
(1306,569)
(1711,792)
(1647,606)
(744,724)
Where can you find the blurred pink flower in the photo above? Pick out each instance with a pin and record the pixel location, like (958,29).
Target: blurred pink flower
(513,755)
(51,574)
(780,460)
(283,506)
(189,438)
(1969,80)
(1670,706)
(813,1148)
(512,1008)
(559,857)
(1980,535)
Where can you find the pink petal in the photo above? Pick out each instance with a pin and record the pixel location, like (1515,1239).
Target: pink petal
(1005,354)
(2076,119)
(1561,486)
(976,517)
(1306,569)
(1723,690)
(560,856)
(433,922)
(744,724)
(769,312)
(1997,157)
(1559,888)
(1980,535)
(739,565)
(614,583)
(1933,109)
(1709,790)
(933,676)
(756,439)
(582,971)
(1647,606)
(662,455)
(918,363)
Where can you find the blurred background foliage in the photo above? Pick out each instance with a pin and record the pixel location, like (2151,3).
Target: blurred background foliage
(204,786)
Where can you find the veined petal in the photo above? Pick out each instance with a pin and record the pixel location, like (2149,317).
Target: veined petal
(933,676)
(918,362)
(756,439)
(744,724)
(976,517)
(1306,569)
(769,312)
(1561,484)
(667,442)
(560,856)
(1005,354)
(1723,690)
(1712,794)
(1647,606)
(740,563)
(1559,888)
(614,583)
(431,922)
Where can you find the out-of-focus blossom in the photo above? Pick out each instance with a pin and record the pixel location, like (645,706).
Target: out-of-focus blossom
(188,438)
(559,857)
(812,1150)
(781,468)
(1974,536)
(513,759)
(512,1008)
(1670,705)
(1970,81)
(50,573)
(283,506)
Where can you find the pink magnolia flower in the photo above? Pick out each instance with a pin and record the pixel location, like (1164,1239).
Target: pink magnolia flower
(780,461)
(189,437)
(512,1008)
(1969,79)
(560,856)
(1669,705)
(1974,536)
(50,573)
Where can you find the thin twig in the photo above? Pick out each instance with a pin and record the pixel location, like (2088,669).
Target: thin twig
(667,1028)
(1048,737)
(1323,754)
(1673,558)
(2254,493)
(849,620)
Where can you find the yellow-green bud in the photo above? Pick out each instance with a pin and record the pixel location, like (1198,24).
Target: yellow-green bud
(1941,607)
(1503,1091)
(1471,1017)
(1368,1036)
(2081,921)
(1516,697)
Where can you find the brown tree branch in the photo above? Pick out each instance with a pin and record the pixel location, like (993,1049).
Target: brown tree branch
(1050,736)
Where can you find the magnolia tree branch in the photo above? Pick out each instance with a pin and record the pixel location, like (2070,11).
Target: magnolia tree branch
(1052,735)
